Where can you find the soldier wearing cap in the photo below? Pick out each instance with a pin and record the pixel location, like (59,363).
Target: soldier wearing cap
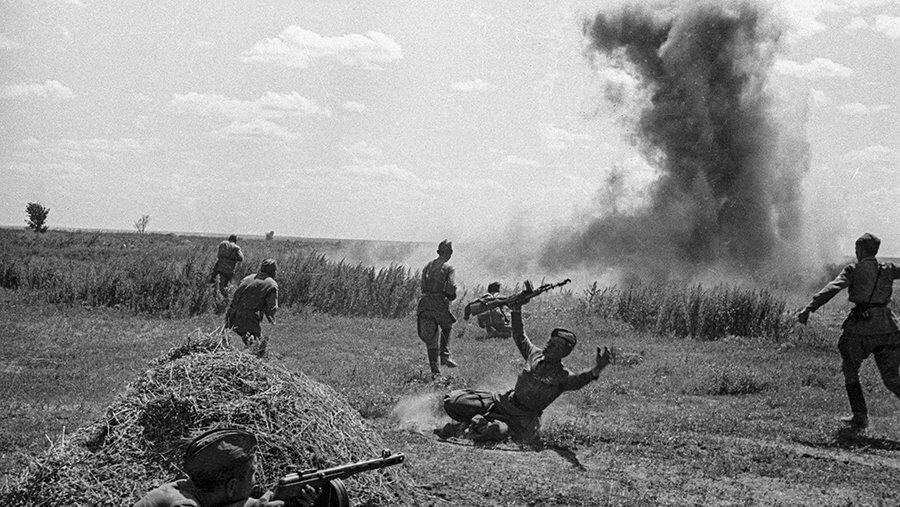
(433,318)
(869,329)
(517,412)
(228,255)
(220,467)
(256,296)
(495,321)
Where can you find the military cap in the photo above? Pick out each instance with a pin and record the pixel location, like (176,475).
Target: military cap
(268,267)
(216,452)
(233,238)
(869,243)
(565,335)
(445,246)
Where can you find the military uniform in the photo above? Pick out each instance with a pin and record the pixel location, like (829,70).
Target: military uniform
(869,329)
(229,254)
(433,318)
(181,493)
(495,322)
(257,295)
(538,385)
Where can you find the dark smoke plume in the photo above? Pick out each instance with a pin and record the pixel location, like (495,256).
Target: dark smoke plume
(729,186)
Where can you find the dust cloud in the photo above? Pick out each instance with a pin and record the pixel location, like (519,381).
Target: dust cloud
(730,165)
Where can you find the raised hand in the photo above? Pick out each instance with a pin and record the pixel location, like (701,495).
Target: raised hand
(803,316)
(604,356)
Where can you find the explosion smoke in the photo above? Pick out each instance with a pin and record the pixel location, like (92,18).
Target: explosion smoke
(728,191)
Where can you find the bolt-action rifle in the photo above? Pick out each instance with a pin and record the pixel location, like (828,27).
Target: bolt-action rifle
(482,305)
(328,481)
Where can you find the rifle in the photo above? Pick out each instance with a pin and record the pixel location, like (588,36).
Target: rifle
(333,491)
(482,305)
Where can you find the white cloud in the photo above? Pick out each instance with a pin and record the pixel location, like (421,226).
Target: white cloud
(818,97)
(854,109)
(473,85)
(83,149)
(387,172)
(353,107)
(515,160)
(559,139)
(76,3)
(6,43)
(256,128)
(817,68)
(876,153)
(362,150)
(856,24)
(299,48)
(888,25)
(269,106)
(49,88)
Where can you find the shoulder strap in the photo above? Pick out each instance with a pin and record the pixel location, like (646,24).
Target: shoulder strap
(875,285)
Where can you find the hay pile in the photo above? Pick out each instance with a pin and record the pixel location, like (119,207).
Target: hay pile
(140,442)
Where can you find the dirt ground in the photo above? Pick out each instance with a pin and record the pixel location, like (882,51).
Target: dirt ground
(648,432)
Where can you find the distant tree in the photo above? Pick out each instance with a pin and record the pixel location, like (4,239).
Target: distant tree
(37,215)
(141,224)
(270,235)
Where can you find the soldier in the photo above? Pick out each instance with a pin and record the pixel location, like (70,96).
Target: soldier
(517,412)
(257,295)
(228,255)
(495,321)
(433,318)
(870,328)
(220,467)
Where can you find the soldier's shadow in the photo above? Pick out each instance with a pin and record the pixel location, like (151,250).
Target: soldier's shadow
(850,439)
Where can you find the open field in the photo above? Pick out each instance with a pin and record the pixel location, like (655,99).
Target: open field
(743,412)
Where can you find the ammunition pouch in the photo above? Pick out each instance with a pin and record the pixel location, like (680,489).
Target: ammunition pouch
(860,312)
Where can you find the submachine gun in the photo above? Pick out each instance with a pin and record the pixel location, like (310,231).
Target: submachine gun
(482,305)
(329,481)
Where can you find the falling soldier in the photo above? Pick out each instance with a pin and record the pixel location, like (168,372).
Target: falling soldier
(433,318)
(257,295)
(869,329)
(220,467)
(517,413)
(229,254)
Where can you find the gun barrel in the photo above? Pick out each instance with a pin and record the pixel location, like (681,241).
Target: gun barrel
(292,484)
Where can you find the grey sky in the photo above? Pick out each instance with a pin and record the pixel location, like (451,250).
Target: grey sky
(377,120)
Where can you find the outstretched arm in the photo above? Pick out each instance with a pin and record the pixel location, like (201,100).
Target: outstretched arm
(526,348)
(827,292)
(578,380)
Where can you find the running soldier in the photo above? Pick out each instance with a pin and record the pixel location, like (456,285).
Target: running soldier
(257,295)
(220,467)
(433,318)
(869,329)
(517,412)
(228,256)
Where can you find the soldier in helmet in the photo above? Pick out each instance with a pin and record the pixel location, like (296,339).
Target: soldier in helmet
(228,255)
(517,412)
(433,318)
(255,297)
(220,467)
(869,329)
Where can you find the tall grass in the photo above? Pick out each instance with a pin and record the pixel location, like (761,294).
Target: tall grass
(169,275)
(692,310)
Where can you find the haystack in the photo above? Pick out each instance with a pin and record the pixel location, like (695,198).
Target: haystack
(140,441)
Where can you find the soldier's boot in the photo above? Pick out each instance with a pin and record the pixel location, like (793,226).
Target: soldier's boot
(433,355)
(445,350)
(859,419)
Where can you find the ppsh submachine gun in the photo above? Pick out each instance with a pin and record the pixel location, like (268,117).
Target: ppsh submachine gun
(482,305)
(329,481)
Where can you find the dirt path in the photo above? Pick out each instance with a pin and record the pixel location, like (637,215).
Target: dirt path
(687,469)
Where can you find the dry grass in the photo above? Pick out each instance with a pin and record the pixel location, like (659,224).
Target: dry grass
(139,442)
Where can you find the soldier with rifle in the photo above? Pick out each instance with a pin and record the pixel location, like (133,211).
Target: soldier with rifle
(517,413)
(495,321)
(869,329)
